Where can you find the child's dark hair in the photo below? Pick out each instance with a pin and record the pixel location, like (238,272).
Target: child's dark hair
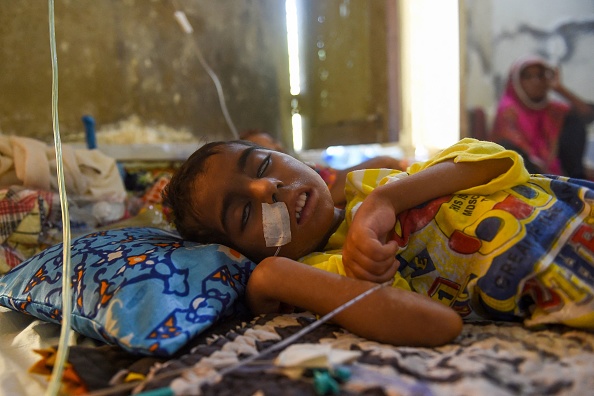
(178,195)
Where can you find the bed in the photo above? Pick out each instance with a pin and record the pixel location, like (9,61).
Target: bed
(487,358)
(225,350)
(189,353)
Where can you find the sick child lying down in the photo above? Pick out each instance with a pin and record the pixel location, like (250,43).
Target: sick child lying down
(467,234)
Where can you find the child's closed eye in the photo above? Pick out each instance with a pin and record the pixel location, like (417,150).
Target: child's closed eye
(245,214)
(264,165)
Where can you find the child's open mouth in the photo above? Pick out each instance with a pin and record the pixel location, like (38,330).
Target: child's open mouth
(301,201)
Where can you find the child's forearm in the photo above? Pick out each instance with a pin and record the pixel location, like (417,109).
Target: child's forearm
(337,189)
(387,315)
(439,180)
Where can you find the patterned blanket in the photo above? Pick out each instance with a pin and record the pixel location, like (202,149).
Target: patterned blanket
(25,218)
(488,358)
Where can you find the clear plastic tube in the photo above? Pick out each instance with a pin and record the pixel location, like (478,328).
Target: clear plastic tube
(185,25)
(56,377)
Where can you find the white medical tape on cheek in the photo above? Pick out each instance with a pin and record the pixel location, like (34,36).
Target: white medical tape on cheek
(277,225)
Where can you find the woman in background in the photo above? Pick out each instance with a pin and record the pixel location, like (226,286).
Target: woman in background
(550,135)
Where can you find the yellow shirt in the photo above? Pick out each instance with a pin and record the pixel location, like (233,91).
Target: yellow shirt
(361,183)
(481,250)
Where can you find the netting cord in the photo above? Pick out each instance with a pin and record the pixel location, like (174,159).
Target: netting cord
(275,347)
(56,377)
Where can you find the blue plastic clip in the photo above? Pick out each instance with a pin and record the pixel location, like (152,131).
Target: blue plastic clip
(90,132)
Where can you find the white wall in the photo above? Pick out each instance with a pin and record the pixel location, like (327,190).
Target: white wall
(499,31)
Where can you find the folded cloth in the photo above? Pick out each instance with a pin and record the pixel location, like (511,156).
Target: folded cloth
(24,218)
(88,174)
(9,258)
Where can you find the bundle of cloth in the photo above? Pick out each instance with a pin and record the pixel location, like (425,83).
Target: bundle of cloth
(30,217)
(88,174)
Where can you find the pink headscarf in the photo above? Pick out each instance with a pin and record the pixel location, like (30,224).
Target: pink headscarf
(533,127)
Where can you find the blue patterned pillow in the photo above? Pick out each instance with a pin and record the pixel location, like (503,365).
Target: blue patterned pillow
(144,289)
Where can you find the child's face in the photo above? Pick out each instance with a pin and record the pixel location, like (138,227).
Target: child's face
(230,193)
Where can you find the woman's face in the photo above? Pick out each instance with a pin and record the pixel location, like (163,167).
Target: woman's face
(535,82)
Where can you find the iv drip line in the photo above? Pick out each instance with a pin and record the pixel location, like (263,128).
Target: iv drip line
(56,377)
(65,331)
(185,25)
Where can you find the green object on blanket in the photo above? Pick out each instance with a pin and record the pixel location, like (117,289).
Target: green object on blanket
(158,392)
(324,384)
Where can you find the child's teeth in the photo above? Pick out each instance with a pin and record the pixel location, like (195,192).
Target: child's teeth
(300,205)
(302,199)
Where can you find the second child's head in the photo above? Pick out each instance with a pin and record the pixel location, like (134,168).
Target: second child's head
(263,139)
(216,197)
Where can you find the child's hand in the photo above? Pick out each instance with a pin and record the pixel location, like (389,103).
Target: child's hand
(366,255)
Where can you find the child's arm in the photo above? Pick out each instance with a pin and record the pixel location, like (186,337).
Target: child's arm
(365,253)
(389,315)
(337,189)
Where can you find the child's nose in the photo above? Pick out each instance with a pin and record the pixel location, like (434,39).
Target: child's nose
(265,189)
